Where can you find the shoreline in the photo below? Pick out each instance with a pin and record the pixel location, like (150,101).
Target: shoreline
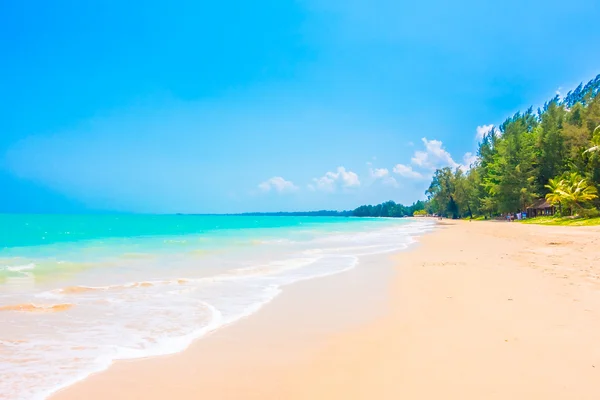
(447,325)
(371,276)
(380,257)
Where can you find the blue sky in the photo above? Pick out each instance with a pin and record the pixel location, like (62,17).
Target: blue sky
(194,106)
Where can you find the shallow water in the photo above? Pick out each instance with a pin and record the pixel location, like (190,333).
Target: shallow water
(78,292)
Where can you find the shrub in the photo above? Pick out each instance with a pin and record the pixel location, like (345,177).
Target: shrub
(589,212)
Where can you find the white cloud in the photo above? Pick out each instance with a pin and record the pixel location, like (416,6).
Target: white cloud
(407,171)
(331,180)
(469,158)
(278,184)
(325,183)
(419,158)
(483,130)
(468,161)
(379,172)
(434,156)
(383,175)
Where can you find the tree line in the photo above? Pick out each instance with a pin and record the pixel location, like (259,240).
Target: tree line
(552,153)
(389,209)
(320,213)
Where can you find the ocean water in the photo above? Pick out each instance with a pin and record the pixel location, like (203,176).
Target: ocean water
(78,292)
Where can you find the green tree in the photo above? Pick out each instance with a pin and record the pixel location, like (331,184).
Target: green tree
(575,191)
(551,142)
(465,192)
(441,193)
(520,160)
(554,197)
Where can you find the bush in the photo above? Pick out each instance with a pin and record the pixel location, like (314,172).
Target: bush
(589,213)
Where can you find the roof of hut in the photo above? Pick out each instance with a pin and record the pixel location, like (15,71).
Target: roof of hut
(540,204)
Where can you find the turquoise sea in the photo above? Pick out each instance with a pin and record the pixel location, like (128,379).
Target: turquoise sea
(78,292)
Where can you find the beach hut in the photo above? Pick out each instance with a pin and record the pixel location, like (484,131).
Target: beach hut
(540,207)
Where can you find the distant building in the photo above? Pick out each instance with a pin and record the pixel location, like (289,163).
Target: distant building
(540,207)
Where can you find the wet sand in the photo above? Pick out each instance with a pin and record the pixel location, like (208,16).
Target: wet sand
(481,310)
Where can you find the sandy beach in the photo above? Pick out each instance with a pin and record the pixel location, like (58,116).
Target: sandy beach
(481,310)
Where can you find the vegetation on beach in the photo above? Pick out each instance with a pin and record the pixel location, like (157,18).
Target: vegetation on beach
(553,153)
(321,213)
(562,221)
(389,209)
(572,192)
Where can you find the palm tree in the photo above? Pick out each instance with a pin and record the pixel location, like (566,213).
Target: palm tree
(575,190)
(554,197)
(596,136)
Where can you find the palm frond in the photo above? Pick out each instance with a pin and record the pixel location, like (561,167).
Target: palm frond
(592,149)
